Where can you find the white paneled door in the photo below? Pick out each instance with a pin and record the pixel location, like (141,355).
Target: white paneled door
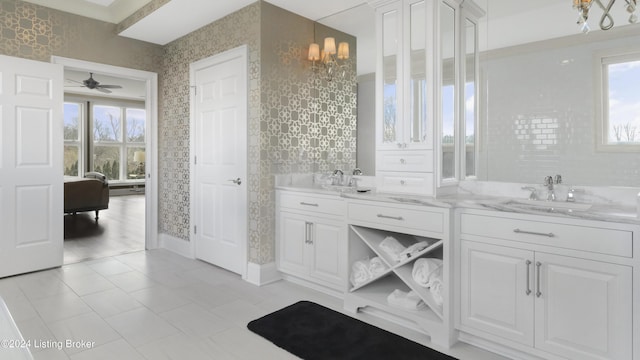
(219,134)
(31,171)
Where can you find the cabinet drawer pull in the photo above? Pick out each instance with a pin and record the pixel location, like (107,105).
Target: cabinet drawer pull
(528,292)
(399,218)
(308,204)
(538,266)
(533,233)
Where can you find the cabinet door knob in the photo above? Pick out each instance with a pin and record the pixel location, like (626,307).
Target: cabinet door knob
(403,161)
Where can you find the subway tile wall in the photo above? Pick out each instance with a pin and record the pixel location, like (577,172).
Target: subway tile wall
(540,117)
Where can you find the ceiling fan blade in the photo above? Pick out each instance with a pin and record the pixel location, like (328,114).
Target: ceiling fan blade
(75,81)
(109,86)
(103,90)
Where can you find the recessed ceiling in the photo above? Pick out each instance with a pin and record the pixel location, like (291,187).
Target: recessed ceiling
(113,11)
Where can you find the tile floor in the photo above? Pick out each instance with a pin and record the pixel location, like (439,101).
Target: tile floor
(156,305)
(120,230)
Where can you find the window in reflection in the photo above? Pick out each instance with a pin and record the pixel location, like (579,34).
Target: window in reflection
(448,90)
(389,76)
(418,85)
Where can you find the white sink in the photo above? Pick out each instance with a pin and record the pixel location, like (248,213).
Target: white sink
(549,206)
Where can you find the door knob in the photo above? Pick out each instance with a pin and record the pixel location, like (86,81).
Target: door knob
(236,181)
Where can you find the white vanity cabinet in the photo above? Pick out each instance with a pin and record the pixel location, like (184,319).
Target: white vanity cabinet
(553,287)
(426,53)
(370,223)
(311,242)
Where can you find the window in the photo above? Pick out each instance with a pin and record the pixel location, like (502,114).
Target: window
(620,113)
(112,143)
(118,133)
(73,139)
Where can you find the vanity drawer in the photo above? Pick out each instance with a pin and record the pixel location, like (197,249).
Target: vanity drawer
(396,216)
(320,204)
(420,161)
(407,183)
(585,238)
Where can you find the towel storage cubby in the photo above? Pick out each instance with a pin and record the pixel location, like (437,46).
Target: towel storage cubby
(406,225)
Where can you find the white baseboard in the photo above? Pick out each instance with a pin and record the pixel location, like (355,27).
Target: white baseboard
(262,274)
(176,245)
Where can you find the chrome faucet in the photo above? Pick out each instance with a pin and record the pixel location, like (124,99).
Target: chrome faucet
(533,195)
(337,177)
(357,171)
(548,182)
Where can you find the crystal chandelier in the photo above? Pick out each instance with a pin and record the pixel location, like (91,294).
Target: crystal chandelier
(606,21)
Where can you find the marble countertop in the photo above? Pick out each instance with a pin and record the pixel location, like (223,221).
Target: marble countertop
(558,209)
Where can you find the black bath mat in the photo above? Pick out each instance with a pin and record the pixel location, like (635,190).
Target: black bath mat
(311,331)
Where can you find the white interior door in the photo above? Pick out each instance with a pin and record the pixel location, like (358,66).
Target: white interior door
(31,180)
(220,163)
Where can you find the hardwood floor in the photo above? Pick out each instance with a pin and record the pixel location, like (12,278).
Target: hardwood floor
(120,230)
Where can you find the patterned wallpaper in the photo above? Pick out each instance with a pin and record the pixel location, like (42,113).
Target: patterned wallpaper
(289,129)
(35,32)
(298,121)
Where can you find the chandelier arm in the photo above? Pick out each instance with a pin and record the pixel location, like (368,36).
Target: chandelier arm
(606,21)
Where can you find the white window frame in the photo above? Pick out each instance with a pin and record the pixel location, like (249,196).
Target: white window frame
(124,145)
(82,137)
(601,92)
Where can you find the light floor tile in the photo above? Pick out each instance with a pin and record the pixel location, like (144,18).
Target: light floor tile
(116,350)
(50,354)
(42,284)
(88,284)
(83,332)
(60,307)
(239,312)
(35,331)
(208,296)
(195,322)
(182,347)
(160,299)
(244,344)
(132,281)
(111,302)
(109,266)
(141,326)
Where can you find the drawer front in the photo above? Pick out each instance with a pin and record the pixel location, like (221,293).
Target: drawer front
(324,205)
(584,238)
(405,218)
(405,183)
(420,161)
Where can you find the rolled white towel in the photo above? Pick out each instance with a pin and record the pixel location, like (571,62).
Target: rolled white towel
(392,247)
(377,267)
(435,287)
(360,272)
(403,300)
(424,268)
(413,249)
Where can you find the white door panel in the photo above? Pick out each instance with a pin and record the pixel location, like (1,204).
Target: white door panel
(220,134)
(31,181)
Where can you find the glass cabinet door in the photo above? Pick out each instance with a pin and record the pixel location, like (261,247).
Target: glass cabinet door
(470,103)
(448,91)
(417,119)
(391,134)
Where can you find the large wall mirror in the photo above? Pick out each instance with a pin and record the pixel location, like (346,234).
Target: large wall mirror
(541,94)
(545,89)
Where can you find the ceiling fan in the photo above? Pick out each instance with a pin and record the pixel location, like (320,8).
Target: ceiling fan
(92,84)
